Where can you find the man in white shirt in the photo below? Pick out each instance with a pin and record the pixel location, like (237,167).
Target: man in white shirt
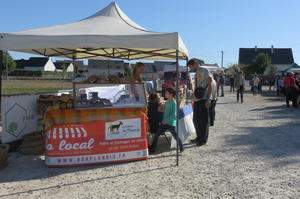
(256,81)
(202,101)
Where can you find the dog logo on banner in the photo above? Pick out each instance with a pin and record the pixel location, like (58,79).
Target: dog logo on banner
(114,129)
(123,129)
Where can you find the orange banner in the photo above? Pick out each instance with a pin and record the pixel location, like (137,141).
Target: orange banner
(97,142)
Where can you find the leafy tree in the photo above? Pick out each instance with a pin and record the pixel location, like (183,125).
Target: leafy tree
(8,62)
(260,63)
(64,70)
(127,72)
(247,69)
(233,69)
(200,61)
(270,70)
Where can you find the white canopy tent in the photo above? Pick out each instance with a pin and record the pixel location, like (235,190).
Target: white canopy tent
(107,34)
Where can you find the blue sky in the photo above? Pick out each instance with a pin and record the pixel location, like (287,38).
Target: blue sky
(206,26)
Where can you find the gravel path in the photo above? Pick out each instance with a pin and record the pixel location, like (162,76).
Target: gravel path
(253,152)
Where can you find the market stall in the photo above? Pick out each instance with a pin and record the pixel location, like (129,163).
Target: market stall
(107,124)
(83,135)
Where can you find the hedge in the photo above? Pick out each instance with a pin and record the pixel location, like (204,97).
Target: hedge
(48,74)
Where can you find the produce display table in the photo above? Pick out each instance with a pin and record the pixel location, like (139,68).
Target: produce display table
(91,136)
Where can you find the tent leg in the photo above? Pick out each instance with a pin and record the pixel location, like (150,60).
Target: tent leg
(1,71)
(177,102)
(186,90)
(74,68)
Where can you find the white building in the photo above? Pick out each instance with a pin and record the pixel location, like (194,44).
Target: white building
(64,66)
(35,64)
(106,67)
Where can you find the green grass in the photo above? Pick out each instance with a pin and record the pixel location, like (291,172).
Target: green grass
(10,87)
(9,91)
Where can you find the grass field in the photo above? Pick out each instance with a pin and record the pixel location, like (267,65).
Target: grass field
(10,87)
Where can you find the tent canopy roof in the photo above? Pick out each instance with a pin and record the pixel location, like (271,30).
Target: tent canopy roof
(109,33)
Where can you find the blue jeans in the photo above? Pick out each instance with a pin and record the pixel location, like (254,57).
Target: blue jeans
(222,89)
(255,89)
(240,91)
(162,129)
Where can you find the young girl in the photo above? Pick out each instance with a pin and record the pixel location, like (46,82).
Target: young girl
(169,120)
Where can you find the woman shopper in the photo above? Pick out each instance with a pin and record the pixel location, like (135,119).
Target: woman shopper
(291,90)
(297,81)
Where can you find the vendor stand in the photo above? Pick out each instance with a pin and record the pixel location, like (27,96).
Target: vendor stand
(108,124)
(108,34)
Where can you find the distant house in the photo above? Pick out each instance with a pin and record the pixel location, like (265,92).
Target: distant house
(79,64)
(61,66)
(292,68)
(159,65)
(106,67)
(150,71)
(35,64)
(280,57)
(213,68)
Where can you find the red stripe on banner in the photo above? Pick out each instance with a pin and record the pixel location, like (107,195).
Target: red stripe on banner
(88,139)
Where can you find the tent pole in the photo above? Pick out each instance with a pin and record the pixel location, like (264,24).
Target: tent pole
(74,68)
(177,108)
(187,76)
(1,71)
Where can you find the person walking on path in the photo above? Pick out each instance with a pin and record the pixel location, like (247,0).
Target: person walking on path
(202,101)
(255,84)
(297,80)
(240,86)
(222,83)
(232,83)
(169,120)
(291,90)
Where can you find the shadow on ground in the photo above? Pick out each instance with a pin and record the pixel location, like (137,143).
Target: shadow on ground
(278,140)
(270,142)
(82,182)
(21,167)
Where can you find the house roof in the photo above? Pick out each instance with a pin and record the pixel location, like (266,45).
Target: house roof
(31,62)
(211,65)
(278,56)
(149,68)
(104,64)
(293,66)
